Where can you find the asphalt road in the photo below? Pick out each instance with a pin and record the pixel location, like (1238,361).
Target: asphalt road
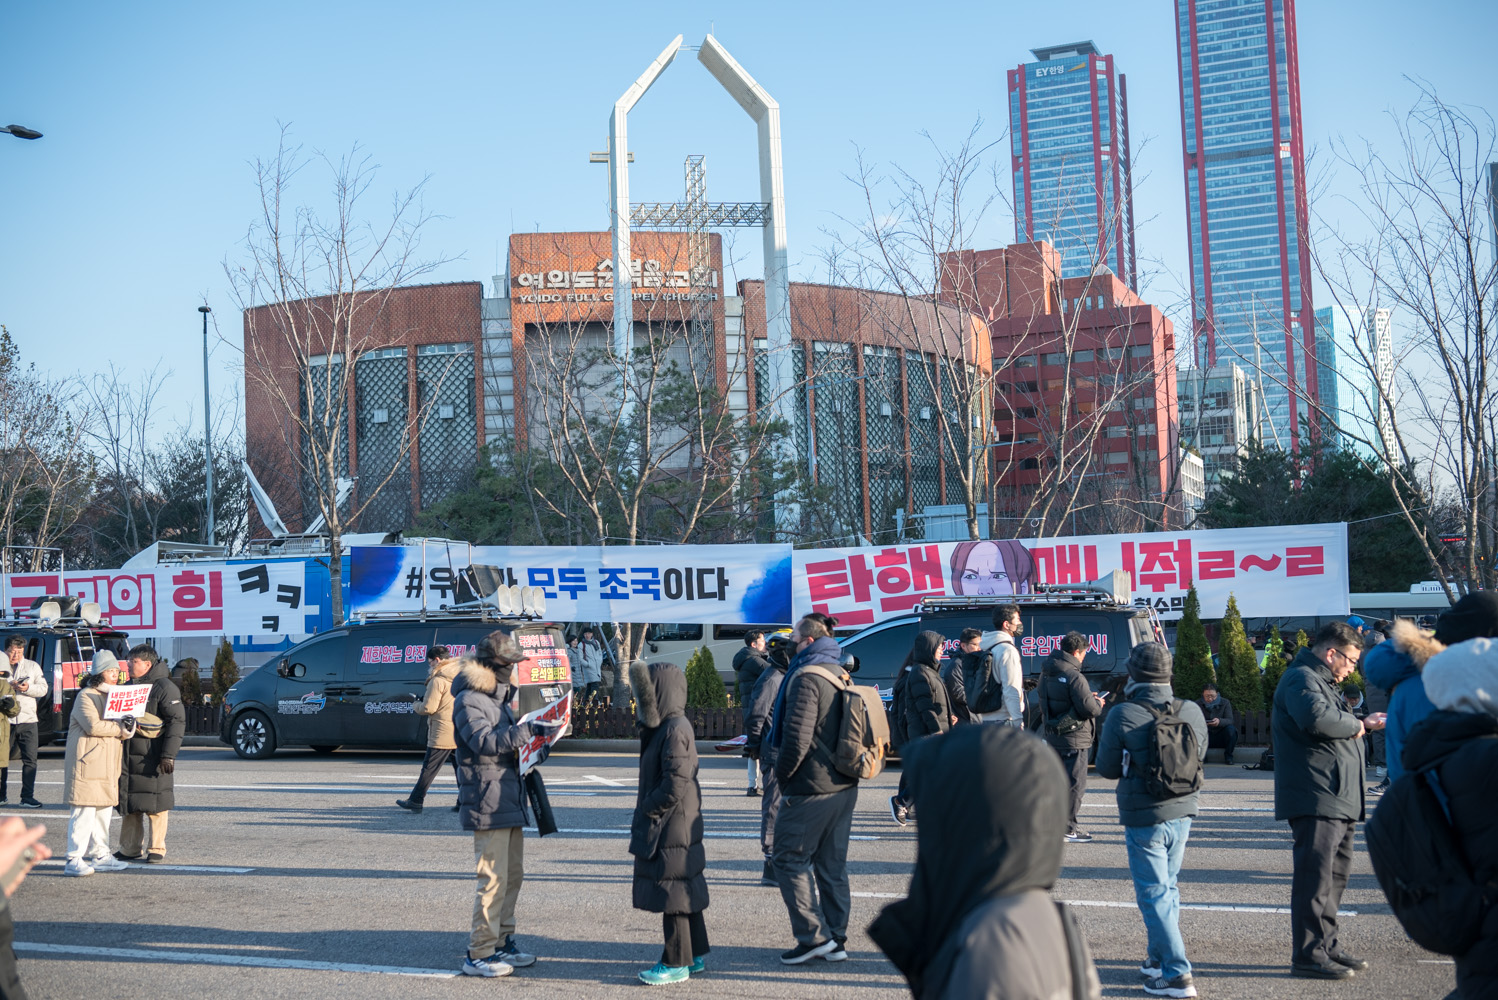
(297,876)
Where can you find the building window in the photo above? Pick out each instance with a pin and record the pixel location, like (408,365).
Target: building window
(1081,357)
(1025,361)
(1055,359)
(423,350)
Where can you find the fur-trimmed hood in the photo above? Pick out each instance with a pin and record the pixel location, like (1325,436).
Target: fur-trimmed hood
(660,691)
(446,669)
(471,673)
(1403,656)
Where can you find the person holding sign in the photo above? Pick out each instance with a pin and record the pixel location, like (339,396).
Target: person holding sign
(150,761)
(91,769)
(490,735)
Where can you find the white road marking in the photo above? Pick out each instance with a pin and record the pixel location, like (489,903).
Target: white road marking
(215,958)
(1111,904)
(28,813)
(1435,961)
(604,781)
(202,869)
(716,834)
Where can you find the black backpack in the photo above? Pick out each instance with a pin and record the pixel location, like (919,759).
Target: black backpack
(1266,762)
(1421,868)
(984,692)
(1172,759)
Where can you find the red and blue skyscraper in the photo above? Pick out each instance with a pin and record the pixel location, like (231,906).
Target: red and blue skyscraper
(1069,127)
(1246,202)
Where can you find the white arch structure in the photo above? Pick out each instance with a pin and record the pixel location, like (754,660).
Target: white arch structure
(760,106)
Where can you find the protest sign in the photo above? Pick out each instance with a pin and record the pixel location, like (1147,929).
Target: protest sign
(127,699)
(558,713)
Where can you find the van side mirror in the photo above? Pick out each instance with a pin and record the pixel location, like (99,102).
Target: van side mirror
(299,670)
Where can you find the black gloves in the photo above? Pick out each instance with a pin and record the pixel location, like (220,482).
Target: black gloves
(167,765)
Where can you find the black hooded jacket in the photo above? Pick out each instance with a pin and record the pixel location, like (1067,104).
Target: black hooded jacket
(1463,749)
(921,698)
(665,836)
(977,921)
(1063,689)
(144,787)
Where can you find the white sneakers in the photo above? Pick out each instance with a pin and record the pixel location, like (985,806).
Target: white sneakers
(79,867)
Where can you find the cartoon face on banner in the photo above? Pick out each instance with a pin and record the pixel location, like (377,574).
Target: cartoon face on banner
(992,568)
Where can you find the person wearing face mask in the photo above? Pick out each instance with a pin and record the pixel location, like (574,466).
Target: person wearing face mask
(781,646)
(91,770)
(491,799)
(995,686)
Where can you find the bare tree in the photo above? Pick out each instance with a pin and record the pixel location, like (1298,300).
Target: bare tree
(46,475)
(315,291)
(1418,244)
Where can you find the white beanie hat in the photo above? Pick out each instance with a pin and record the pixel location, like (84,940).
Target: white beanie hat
(103,660)
(1464,678)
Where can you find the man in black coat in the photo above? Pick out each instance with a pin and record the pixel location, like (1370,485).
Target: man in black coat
(1222,729)
(1068,711)
(816,815)
(757,711)
(146,779)
(1318,788)
(1459,742)
(748,664)
(959,665)
(921,709)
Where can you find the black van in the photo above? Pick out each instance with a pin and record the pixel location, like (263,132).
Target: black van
(1112,625)
(61,634)
(358,684)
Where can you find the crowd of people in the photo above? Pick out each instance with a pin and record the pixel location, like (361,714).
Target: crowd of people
(995,804)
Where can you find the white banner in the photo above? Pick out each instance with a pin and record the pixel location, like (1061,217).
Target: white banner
(126,699)
(1286,571)
(207,599)
(641,583)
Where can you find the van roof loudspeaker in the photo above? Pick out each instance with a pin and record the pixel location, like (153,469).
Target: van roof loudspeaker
(501,600)
(48,612)
(535,602)
(1117,584)
(517,599)
(90,613)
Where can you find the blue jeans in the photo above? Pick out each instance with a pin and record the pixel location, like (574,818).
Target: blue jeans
(1155,854)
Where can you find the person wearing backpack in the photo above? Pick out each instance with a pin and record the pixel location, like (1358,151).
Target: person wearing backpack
(810,841)
(1154,745)
(1069,710)
(995,685)
(921,709)
(1318,788)
(1457,745)
(954,670)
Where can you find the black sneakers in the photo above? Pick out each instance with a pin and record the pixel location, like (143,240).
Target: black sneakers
(1346,960)
(752,792)
(898,810)
(1180,986)
(1325,970)
(839,952)
(806,952)
(1082,837)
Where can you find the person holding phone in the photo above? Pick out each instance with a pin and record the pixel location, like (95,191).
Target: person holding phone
(30,686)
(1069,711)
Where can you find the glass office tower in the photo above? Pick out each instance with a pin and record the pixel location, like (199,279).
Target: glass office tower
(1069,126)
(1246,202)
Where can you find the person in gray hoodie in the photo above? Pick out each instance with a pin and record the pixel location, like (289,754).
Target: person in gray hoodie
(1155,829)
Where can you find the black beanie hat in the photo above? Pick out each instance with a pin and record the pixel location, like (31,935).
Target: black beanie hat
(1474,616)
(1150,663)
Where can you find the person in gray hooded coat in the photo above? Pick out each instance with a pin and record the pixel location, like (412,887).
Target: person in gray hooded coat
(665,835)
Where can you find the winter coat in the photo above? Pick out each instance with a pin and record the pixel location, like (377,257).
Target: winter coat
(1221,710)
(665,835)
(1063,689)
(923,707)
(953,668)
(437,705)
(36,689)
(10,707)
(592,657)
(977,921)
(1007,669)
(95,753)
(1318,759)
(1389,665)
(748,664)
(575,665)
(1127,728)
(807,718)
(144,787)
(758,708)
(488,742)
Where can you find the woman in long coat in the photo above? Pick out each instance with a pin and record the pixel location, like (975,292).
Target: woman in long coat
(91,770)
(666,835)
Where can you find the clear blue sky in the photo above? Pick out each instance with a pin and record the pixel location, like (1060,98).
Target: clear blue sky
(116,223)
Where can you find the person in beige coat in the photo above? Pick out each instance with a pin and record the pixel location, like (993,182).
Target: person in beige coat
(91,770)
(437,706)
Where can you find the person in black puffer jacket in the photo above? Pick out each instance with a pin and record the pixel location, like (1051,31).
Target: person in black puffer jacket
(1064,695)
(146,790)
(781,647)
(665,836)
(921,708)
(491,799)
(748,664)
(1459,740)
(956,667)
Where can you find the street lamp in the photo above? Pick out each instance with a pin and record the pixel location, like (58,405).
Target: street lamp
(21,131)
(207,434)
